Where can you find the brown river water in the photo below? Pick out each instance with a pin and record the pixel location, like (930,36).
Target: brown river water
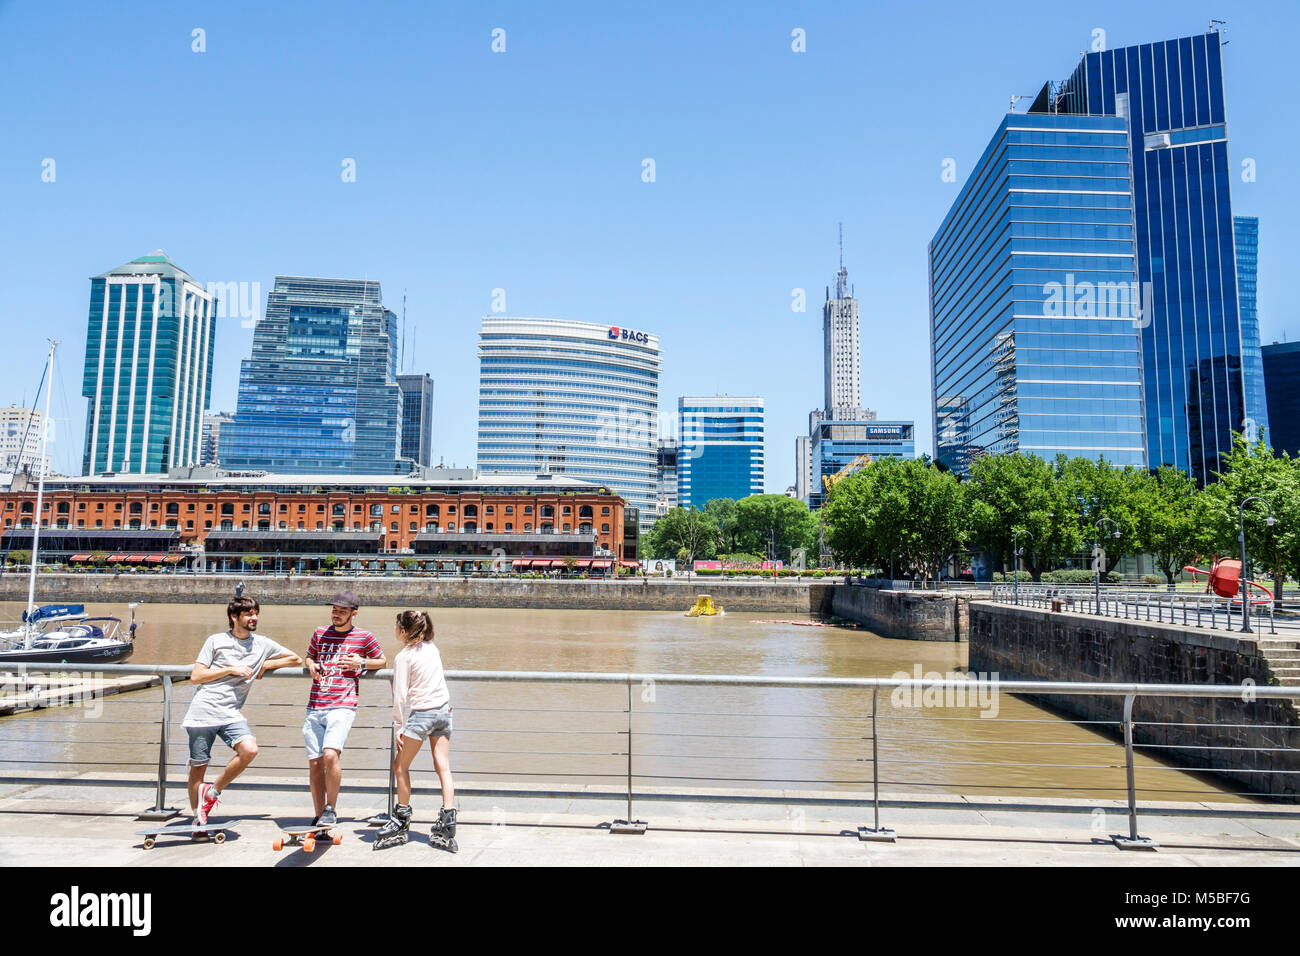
(565,735)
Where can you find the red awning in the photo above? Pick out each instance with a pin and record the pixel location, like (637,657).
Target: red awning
(79,557)
(136,558)
(582,563)
(156,558)
(630,564)
(173,558)
(602,563)
(520,563)
(117,557)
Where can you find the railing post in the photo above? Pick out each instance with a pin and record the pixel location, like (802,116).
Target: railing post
(159,810)
(1132,841)
(875,833)
(627,824)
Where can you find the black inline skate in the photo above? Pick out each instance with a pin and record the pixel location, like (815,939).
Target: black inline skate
(396,831)
(443,833)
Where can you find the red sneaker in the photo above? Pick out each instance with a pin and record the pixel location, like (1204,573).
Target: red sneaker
(207,800)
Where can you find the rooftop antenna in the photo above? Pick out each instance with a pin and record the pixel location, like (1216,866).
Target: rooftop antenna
(1016,98)
(841,277)
(400,357)
(1213,29)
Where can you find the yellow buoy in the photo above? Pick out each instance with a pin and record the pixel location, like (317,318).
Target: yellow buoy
(704,607)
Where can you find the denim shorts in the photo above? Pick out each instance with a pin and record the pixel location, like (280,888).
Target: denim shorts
(428,723)
(327,728)
(201,740)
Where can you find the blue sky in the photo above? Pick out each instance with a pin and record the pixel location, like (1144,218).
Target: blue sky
(522,171)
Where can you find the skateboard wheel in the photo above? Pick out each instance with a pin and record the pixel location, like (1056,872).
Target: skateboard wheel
(338,838)
(219,838)
(148,843)
(277,844)
(308,845)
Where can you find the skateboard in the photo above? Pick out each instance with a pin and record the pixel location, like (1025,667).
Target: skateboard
(305,837)
(216,831)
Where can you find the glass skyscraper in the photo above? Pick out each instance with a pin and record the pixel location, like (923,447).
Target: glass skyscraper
(1169,97)
(840,443)
(417,418)
(1282,386)
(1246,232)
(148,370)
(720,451)
(319,395)
(573,398)
(1033,298)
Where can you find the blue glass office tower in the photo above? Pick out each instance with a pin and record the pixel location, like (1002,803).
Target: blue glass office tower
(720,452)
(1169,97)
(1246,232)
(148,371)
(319,395)
(1282,386)
(417,418)
(1033,297)
(840,442)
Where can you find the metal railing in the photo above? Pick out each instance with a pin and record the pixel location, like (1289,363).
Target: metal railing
(1189,609)
(863,730)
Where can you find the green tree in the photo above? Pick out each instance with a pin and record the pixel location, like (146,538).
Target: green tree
(99,558)
(1250,470)
(20,557)
(774,522)
(904,515)
(723,513)
(1100,490)
(251,561)
(1165,506)
(1021,492)
(684,533)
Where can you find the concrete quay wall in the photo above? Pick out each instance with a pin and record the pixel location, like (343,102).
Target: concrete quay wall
(792,597)
(915,615)
(1033,644)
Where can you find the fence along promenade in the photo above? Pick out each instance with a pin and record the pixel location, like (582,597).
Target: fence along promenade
(620,747)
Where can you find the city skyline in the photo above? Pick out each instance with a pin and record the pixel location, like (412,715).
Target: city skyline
(571,228)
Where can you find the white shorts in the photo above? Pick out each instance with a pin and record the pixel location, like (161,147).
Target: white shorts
(327,729)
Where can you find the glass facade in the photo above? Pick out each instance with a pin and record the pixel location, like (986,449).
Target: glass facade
(570,398)
(836,444)
(1246,232)
(417,418)
(1282,387)
(1169,96)
(720,451)
(1034,304)
(319,395)
(148,369)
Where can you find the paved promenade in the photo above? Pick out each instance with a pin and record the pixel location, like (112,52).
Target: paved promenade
(60,825)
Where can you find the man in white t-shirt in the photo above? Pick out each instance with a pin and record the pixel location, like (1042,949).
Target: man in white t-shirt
(224,671)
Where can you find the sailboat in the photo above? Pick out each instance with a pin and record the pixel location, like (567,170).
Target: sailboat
(61,633)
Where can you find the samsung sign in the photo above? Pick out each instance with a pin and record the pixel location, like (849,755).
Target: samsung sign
(627,335)
(885,431)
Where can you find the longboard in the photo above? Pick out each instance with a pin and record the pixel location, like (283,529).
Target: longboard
(217,831)
(305,837)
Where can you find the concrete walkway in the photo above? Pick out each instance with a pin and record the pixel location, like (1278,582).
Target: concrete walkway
(45,825)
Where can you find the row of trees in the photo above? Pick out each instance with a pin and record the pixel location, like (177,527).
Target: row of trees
(916,515)
(752,526)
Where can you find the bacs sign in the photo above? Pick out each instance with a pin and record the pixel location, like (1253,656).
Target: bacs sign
(627,335)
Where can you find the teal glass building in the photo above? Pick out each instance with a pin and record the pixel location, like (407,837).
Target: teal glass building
(148,368)
(1033,298)
(720,451)
(1246,232)
(1169,97)
(319,395)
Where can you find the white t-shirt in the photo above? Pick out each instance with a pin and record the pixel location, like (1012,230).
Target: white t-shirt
(219,702)
(418,681)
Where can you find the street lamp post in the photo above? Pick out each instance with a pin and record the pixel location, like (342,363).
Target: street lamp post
(1015,559)
(1096,562)
(1241,536)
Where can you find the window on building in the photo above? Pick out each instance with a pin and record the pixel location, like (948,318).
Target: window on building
(397,509)
(471,511)
(567,528)
(376,511)
(173,508)
(510,509)
(228,508)
(264,508)
(490,509)
(393,527)
(528,509)
(62,508)
(430,511)
(604,529)
(510,526)
(414,527)
(605,510)
(547,511)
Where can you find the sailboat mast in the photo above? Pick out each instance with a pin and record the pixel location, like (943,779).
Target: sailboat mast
(40,484)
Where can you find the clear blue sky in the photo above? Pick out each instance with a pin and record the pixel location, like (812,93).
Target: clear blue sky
(522,170)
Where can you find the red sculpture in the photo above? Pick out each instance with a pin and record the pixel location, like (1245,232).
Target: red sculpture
(1225,580)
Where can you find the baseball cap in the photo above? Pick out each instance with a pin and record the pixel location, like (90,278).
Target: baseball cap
(345,599)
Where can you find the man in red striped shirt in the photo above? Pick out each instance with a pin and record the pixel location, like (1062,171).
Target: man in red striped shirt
(336,658)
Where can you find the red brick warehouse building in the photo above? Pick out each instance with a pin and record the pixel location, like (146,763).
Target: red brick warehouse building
(306,522)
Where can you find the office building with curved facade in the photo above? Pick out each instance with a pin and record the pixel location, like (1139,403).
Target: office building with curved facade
(571,398)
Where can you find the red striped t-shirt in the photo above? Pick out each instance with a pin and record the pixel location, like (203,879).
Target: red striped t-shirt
(336,688)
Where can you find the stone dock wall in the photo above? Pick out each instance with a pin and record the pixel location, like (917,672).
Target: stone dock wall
(1032,644)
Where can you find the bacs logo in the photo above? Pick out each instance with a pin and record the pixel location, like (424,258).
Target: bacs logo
(627,335)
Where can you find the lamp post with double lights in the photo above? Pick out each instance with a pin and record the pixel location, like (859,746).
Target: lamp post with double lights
(1096,561)
(1241,536)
